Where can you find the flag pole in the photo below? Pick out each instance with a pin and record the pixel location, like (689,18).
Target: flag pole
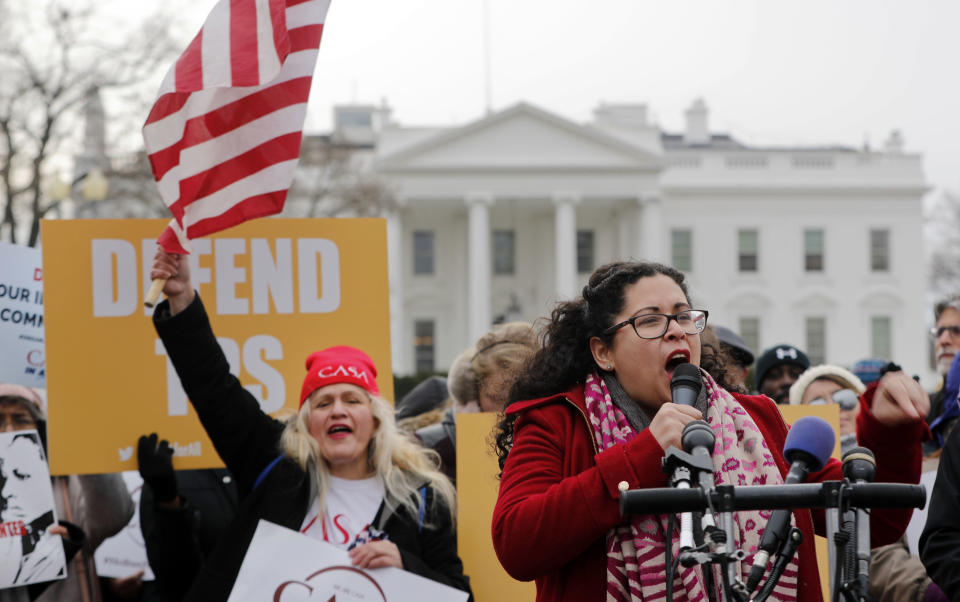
(153,295)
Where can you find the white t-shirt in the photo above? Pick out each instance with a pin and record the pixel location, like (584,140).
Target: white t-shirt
(351,507)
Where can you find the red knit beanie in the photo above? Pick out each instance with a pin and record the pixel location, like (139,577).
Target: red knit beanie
(340,364)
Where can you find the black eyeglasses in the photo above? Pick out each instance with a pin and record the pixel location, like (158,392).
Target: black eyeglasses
(654,326)
(937,332)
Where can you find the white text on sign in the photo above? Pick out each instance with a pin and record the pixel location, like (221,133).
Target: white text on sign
(271,275)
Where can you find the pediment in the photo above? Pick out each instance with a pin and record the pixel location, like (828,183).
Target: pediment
(518,138)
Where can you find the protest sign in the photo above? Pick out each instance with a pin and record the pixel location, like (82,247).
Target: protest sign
(275,290)
(282,564)
(30,553)
(125,553)
(21,316)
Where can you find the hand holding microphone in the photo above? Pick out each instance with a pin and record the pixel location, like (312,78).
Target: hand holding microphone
(668,424)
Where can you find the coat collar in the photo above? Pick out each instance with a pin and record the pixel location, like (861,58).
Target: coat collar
(573,395)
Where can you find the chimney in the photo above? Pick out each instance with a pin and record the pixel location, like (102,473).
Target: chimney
(894,143)
(697,130)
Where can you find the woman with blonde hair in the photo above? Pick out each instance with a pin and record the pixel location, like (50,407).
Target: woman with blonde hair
(344,474)
(479,381)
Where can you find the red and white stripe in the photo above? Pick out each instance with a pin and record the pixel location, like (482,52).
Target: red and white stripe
(224,134)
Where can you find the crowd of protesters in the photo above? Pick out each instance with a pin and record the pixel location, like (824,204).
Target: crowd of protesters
(584,406)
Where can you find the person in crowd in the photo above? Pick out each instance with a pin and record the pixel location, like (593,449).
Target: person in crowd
(940,540)
(344,474)
(777,369)
(741,357)
(946,342)
(718,363)
(895,574)
(592,413)
(89,508)
(825,384)
(183,515)
(424,405)
(869,369)
(480,380)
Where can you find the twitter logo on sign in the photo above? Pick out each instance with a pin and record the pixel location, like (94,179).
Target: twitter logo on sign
(125,453)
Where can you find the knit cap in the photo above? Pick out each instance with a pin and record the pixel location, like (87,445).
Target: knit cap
(340,364)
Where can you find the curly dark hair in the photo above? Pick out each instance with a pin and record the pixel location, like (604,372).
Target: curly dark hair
(714,359)
(564,358)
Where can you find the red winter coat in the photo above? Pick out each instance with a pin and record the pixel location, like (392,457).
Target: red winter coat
(559,497)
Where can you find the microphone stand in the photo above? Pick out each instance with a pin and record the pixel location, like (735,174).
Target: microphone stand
(834,496)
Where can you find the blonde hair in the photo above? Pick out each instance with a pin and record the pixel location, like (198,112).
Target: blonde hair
(401,464)
(499,354)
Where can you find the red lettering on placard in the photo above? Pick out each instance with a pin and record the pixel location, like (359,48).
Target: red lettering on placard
(341,528)
(13,528)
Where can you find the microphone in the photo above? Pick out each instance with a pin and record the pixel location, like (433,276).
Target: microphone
(808,447)
(686,384)
(859,466)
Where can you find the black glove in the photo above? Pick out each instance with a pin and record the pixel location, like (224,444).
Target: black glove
(156,467)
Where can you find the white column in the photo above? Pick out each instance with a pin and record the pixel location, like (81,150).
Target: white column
(652,228)
(478,263)
(396,261)
(565,241)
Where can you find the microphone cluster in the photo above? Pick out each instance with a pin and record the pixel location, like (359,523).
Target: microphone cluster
(808,447)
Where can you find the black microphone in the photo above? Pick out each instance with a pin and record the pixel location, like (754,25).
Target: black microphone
(808,447)
(859,466)
(686,384)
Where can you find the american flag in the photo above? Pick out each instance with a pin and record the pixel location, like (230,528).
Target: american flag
(224,134)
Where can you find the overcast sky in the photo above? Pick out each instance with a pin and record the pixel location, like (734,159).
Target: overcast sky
(772,73)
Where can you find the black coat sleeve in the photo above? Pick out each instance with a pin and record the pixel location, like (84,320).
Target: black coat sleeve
(245,437)
(430,549)
(940,541)
(173,547)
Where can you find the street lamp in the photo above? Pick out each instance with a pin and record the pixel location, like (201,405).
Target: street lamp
(93,188)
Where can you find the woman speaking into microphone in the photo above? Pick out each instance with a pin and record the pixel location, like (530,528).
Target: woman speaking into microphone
(592,409)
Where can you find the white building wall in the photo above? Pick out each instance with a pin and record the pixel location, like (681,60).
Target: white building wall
(523,157)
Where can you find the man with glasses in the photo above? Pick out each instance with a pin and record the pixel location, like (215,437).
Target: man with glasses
(946,343)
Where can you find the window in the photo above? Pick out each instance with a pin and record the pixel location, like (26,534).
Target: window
(880,251)
(585,258)
(681,249)
(880,343)
(816,340)
(423,252)
(747,250)
(750,332)
(423,349)
(504,252)
(813,250)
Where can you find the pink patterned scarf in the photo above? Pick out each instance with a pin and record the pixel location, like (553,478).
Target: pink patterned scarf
(636,558)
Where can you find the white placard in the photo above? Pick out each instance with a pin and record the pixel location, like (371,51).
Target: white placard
(919,517)
(29,553)
(125,553)
(281,564)
(22,354)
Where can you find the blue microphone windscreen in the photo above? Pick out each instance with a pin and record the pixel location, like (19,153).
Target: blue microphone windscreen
(812,435)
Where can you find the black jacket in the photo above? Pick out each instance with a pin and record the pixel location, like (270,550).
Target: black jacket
(940,540)
(180,540)
(248,440)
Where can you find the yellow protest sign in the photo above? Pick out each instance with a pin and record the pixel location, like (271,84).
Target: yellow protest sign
(275,289)
(477,488)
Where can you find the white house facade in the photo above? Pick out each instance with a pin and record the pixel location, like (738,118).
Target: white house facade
(499,218)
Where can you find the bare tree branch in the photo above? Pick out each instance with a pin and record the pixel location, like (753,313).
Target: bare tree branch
(50,58)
